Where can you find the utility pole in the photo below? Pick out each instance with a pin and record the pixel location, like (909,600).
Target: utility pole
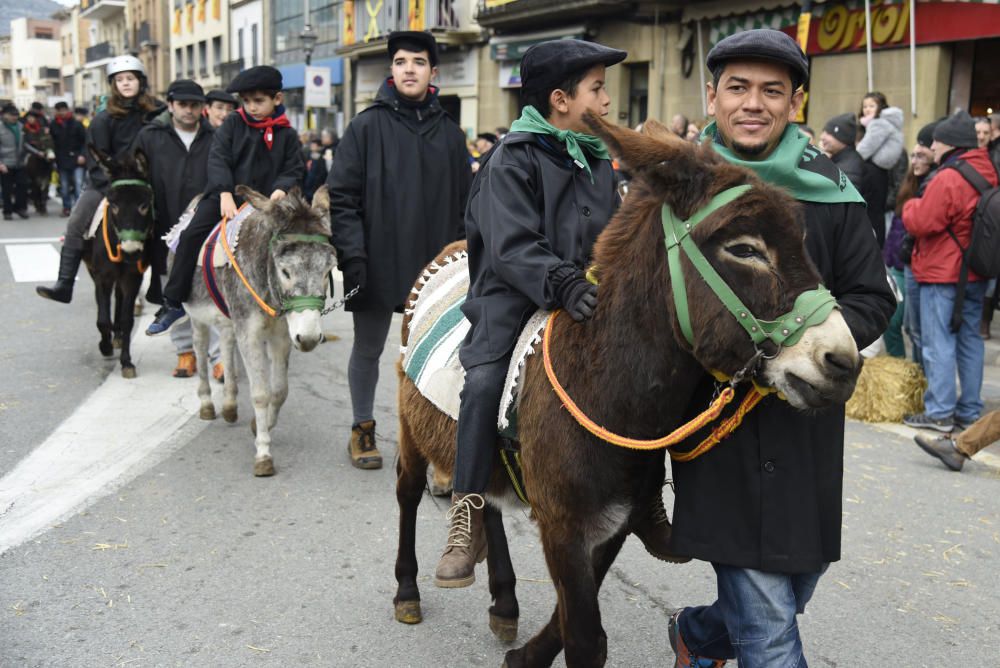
(308,38)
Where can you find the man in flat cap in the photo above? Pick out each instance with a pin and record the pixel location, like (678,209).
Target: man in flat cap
(218,105)
(398,187)
(765,507)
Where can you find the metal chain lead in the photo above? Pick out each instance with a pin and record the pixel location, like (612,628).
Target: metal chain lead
(341,302)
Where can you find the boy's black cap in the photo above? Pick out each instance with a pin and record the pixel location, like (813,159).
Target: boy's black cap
(413,40)
(488,136)
(958,130)
(80,110)
(547,64)
(260,77)
(9,109)
(185,89)
(37,106)
(219,95)
(843,127)
(760,44)
(61,105)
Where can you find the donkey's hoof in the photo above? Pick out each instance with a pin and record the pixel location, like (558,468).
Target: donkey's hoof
(504,628)
(116,343)
(253,425)
(106,349)
(408,612)
(128,372)
(229,414)
(263,468)
(514,658)
(207,412)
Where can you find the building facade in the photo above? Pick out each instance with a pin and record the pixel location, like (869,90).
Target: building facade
(74,35)
(6,73)
(149,39)
(107,35)
(35,61)
(199,41)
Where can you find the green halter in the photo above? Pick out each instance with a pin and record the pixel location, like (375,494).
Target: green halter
(303,302)
(811,307)
(134,235)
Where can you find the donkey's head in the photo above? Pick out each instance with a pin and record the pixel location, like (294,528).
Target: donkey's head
(297,234)
(130,197)
(755,245)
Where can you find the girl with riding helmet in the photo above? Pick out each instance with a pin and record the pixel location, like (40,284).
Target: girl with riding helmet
(112,131)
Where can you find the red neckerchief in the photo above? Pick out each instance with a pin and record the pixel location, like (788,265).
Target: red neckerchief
(61,121)
(32,125)
(267,125)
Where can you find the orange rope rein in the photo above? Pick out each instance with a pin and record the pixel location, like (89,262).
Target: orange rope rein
(678,435)
(119,257)
(239,272)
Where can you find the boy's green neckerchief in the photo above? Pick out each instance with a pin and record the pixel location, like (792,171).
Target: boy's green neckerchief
(575,142)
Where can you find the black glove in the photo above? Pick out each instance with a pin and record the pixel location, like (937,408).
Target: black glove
(355,274)
(578,297)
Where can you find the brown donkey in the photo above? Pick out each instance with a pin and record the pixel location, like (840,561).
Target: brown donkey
(631,370)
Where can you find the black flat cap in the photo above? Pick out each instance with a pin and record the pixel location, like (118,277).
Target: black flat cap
(415,41)
(760,44)
(958,130)
(9,109)
(62,105)
(926,135)
(547,64)
(260,77)
(219,95)
(843,127)
(185,89)
(488,136)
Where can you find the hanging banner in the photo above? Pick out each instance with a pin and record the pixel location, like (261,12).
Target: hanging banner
(348,32)
(317,88)
(416,14)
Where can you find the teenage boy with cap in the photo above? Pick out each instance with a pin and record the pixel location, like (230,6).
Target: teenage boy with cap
(176,144)
(256,147)
(13,155)
(837,141)
(765,507)
(941,222)
(219,104)
(397,192)
(69,138)
(528,246)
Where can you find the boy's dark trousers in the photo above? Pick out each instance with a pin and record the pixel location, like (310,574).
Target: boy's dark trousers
(477,425)
(15,189)
(205,218)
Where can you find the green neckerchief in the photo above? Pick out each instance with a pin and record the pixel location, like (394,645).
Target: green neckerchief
(15,129)
(796,166)
(575,142)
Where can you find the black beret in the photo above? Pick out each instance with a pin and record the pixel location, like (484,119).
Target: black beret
(760,44)
(219,95)
(9,109)
(260,77)
(926,135)
(547,64)
(37,106)
(185,89)
(413,40)
(61,104)
(488,136)
(843,127)
(958,130)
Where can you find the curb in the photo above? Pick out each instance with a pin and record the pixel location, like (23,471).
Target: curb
(982,457)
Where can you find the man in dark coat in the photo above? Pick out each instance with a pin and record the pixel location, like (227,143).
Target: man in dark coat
(70,139)
(397,191)
(837,141)
(764,507)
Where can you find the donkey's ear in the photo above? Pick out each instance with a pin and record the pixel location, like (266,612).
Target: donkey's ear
(142,163)
(258,201)
(638,150)
(657,130)
(102,158)
(321,199)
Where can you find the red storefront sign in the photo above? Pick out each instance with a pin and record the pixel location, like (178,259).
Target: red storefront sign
(842,30)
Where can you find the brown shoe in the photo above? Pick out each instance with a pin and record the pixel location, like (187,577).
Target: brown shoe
(219,372)
(186,366)
(466,542)
(654,531)
(364,454)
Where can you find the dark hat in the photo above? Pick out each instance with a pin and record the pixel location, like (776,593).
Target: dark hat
(37,106)
(958,130)
(547,64)
(260,77)
(81,110)
(926,135)
(488,136)
(844,128)
(9,109)
(219,95)
(185,89)
(413,40)
(61,104)
(760,44)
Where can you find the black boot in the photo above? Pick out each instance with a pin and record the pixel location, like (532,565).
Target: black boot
(62,291)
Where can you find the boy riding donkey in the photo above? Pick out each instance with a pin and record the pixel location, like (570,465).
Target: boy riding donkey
(537,205)
(256,147)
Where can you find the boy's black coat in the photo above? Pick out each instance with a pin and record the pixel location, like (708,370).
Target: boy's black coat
(240,157)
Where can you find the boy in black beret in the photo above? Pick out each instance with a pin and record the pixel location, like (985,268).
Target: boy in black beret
(537,205)
(256,147)
(219,104)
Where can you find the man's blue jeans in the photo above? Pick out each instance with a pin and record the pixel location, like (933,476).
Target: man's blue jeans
(70,186)
(753,621)
(911,315)
(946,352)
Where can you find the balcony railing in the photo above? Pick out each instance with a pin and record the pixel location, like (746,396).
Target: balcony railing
(229,69)
(100,10)
(100,51)
(144,35)
(49,73)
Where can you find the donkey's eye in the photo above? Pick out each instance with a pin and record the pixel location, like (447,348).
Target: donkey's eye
(744,251)
(143,209)
(284,272)
(114,209)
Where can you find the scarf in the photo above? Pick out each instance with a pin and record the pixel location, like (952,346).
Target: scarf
(275,120)
(575,142)
(15,129)
(32,125)
(796,166)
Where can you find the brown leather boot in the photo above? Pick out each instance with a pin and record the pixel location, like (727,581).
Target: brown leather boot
(364,454)
(466,542)
(654,532)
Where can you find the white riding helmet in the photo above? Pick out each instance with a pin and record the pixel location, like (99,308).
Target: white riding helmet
(125,64)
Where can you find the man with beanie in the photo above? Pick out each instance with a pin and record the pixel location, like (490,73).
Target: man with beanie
(13,155)
(765,506)
(941,223)
(837,141)
(397,193)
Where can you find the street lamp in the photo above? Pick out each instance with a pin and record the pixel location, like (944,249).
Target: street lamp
(308,39)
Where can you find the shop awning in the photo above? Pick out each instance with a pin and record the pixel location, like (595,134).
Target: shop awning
(512,47)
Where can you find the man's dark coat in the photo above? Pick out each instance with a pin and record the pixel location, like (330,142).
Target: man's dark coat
(769,496)
(70,140)
(239,156)
(871,181)
(178,174)
(531,212)
(398,187)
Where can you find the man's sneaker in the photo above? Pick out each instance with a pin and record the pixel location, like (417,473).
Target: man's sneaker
(685,658)
(961,423)
(944,449)
(166,317)
(923,421)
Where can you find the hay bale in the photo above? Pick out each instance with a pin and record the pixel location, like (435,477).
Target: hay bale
(888,389)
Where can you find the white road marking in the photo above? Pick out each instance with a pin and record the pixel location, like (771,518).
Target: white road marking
(33,263)
(113,437)
(30,240)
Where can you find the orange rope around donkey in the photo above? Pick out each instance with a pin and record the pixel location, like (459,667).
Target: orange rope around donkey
(116,258)
(722,430)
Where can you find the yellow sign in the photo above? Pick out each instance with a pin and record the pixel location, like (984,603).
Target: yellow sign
(348,37)
(416,14)
(373,11)
(802,36)
(842,29)
(498,3)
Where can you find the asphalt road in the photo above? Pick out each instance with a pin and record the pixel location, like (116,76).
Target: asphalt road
(183,558)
